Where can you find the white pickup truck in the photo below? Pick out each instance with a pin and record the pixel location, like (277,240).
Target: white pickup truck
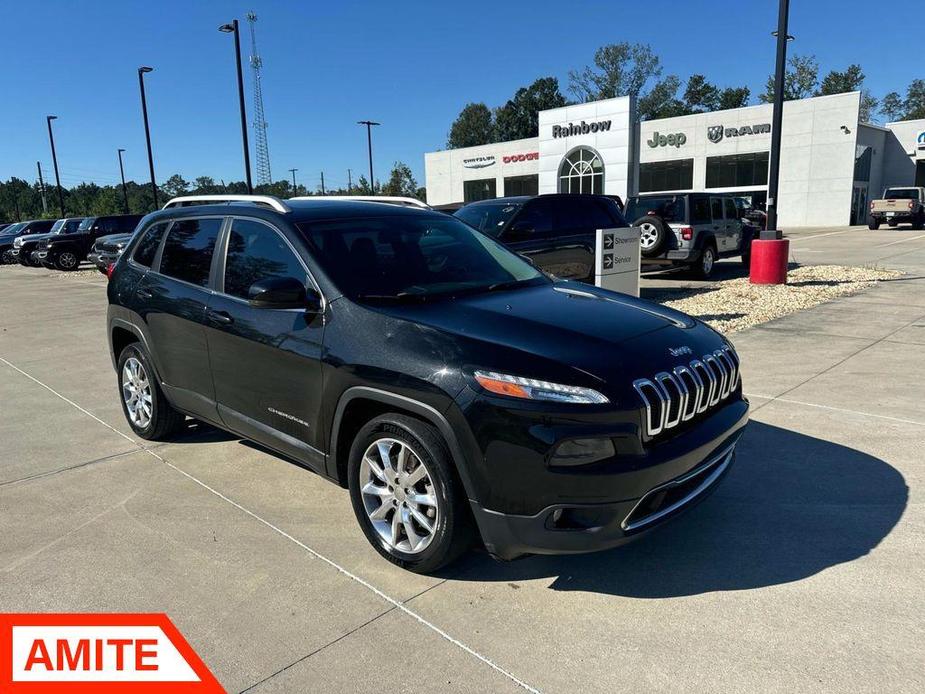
(906,204)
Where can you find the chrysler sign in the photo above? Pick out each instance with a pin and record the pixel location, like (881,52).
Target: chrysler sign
(715,133)
(582,128)
(479,162)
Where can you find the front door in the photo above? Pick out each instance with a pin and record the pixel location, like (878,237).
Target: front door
(174,295)
(266,363)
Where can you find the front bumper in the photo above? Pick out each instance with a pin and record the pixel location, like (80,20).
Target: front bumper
(657,492)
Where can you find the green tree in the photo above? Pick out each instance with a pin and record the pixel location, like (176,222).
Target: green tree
(517,119)
(800,79)
(700,95)
(893,107)
(620,69)
(733,97)
(662,100)
(849,80)
(915,100)
(473,126)
(174,186)
(401,181)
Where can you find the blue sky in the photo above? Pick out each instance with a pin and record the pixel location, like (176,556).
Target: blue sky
(410,65)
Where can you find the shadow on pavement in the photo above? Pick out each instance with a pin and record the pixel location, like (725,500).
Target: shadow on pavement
(790,507)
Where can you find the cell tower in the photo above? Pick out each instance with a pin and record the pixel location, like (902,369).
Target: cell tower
(260,124)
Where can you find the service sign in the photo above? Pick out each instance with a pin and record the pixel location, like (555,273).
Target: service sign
(98,653)
(617,260)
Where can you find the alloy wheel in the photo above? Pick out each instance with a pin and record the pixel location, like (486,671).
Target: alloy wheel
(67,260)
(648,235)
(398,495)
(707,261)
(136,392)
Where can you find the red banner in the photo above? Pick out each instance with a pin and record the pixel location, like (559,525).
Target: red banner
(77,653)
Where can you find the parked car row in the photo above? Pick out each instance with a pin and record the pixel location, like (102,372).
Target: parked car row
(66,243)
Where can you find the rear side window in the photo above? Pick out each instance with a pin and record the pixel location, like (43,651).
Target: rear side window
(188,250)
(700,210)
(716,205)
(257,252)
(731,211)
(537,215)
(583,213)
(147,247)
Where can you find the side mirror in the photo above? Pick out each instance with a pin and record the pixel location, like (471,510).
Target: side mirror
(283,292)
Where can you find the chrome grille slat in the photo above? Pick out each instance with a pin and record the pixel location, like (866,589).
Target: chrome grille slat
(687,390)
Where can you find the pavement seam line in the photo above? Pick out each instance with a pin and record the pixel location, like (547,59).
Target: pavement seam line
(76,466)
(395,603)
(771,399)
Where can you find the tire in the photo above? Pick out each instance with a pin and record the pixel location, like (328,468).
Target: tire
(919,222)
(703,268)
(653,235)
(67,261)
(161,420)
(873,224)
(398,534)
(7,257)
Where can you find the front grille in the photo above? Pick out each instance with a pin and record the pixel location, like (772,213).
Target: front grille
(671,398)
(43,244)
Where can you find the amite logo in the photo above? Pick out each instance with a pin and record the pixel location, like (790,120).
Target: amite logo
(99,653)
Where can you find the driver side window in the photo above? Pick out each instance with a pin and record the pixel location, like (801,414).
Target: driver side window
(257,252)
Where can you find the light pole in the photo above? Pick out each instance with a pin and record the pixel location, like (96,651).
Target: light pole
(369,141)
(144,111)
(54,159)
(233,29)
(769,252)
(122,173)
(292,171)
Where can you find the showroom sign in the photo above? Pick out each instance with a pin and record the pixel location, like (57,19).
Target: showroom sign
(672,140)
(515,158)
(98,653)
(582,128)
(479,162)
(715,133)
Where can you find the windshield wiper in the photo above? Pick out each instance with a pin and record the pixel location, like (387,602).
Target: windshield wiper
(508,284)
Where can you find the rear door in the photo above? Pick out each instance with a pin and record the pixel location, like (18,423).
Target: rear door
(266,362)
(719,223)
(171,300)
(733,225)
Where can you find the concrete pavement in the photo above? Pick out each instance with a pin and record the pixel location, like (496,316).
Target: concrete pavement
(804,571)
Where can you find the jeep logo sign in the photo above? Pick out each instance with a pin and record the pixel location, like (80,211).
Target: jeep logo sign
(582,128)
(673,140)
(715,133)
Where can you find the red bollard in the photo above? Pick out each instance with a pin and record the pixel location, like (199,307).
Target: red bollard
(769,261)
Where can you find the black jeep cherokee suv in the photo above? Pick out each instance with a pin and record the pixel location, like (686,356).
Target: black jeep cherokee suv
(453,388)
(555,231)
(66,253)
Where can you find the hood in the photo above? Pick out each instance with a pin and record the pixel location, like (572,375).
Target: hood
(603,334)
(29,238)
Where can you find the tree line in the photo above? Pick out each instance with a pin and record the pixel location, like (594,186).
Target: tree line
(21,200)
(634,69)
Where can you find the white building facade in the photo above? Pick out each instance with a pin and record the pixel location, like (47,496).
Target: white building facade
(831,163)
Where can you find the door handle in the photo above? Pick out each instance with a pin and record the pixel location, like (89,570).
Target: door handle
(144,293)
(220,317)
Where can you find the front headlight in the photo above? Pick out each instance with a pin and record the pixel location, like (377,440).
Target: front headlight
(533,389)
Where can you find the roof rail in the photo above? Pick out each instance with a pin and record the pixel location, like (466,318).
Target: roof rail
(387,199)
(266,200)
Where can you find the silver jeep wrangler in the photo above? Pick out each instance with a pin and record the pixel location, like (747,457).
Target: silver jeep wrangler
(691,230)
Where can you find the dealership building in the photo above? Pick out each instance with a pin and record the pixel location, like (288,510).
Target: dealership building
(832,163)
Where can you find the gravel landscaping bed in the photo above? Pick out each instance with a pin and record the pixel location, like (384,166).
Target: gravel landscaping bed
(736,304)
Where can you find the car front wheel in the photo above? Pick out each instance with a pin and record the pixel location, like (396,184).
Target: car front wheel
(7,257)
(406,495)
(66,261)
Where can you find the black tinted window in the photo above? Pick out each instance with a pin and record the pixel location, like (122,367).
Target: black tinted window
(583,213)
(188,250)
(256,252)
(700,211)
(537,215)
(716,204)
(147,247)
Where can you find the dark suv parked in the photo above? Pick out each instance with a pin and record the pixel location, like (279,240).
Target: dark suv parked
(25,247)
(454,389)
(11,233)
(691,230)
(557,232)
(67,253)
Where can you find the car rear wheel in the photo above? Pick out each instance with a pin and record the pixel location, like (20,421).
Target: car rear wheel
(406,495)
(653,234)
(143,403)
(703,269)
(66,260)
(873,224)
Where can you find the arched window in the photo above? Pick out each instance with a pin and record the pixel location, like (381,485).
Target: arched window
(582,171)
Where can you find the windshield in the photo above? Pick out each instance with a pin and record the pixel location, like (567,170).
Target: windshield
(86,224)
(13,228)
(671,208)
(488,217)
(410,257)
(902,194)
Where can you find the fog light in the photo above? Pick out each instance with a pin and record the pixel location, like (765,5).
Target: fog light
(582,452)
